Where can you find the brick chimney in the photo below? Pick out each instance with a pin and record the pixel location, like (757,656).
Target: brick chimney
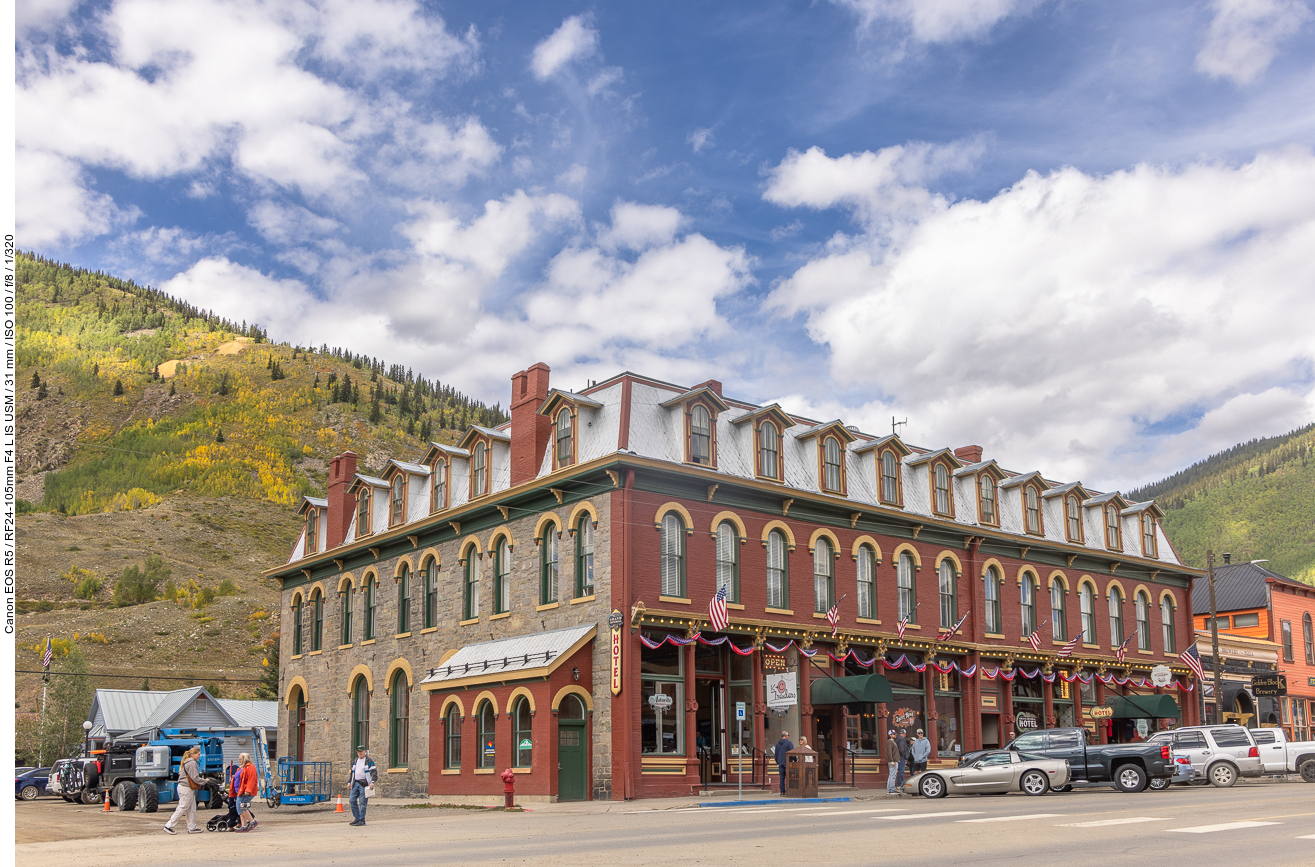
(342,470)
(969,454)
(530,432)
(713,384)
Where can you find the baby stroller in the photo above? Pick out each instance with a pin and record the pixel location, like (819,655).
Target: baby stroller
(226,822)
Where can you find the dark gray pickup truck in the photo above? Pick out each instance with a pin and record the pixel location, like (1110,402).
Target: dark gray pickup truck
(1128,767)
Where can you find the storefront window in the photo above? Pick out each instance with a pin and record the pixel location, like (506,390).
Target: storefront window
(487,745)
(1029,704)
(907,711)
(949,730)
(662,700)
(861,729)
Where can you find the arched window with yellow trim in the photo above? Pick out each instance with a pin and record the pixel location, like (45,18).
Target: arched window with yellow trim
(1087,606)
(866,567)
(947,591)
(673,555)
(889,478)
(479,479)
(439,500)
(906,587)
(361,712)
(371,605)
(564,449)
(1032,507)
(986,499)
(992,593)
(1116,617)
(485,718)
(522,734)
(1058,616)
(728,563)
(296,627)
(700,435)
(317,620)
(452,753)
(832,479)
(502,577)
(769,451)
(1142,609)
(470,586)
(778,575)
(548,566)
(1166,624)
(431,594)
(403,598)
(347,602)
(823,575)
(400,721)
(1027,602)
(584,556)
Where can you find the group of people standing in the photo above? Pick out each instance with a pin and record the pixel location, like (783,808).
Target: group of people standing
(242,785)
(903,754)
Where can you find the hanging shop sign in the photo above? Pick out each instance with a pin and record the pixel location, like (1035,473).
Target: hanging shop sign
(1161,675)
(774,662)
(904,717)
(1269,684)
(1101,712)
(782,690)
(615,621)
(660,701)
(1025,720)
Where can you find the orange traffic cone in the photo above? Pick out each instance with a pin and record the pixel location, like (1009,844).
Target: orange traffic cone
(339,810)
(107,803)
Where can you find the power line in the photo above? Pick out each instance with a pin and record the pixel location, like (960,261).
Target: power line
(136,676)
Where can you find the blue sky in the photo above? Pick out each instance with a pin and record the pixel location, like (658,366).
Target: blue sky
(1075,232)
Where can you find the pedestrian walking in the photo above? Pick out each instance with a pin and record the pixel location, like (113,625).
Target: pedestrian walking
(246,792)
(364,774)
(920,751)
(783,746)
(189,780)
(902,745)
(892,761)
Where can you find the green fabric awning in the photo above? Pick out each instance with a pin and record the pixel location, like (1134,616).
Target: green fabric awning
(1144,707)
(854,689)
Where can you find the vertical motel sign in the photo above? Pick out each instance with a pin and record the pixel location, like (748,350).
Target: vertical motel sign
(615,621)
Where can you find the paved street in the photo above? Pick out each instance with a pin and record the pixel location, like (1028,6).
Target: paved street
(1273,823)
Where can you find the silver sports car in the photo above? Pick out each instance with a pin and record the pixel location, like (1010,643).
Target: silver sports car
(993,772)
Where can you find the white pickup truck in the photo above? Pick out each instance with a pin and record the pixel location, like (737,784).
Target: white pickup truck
(1282,756)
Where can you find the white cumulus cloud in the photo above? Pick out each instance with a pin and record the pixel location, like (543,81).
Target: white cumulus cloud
(573,40)
(932,21)
(1244,36)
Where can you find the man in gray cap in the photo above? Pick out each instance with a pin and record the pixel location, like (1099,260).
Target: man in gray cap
(364,774)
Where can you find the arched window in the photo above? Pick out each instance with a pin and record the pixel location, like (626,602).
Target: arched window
(1116,617)
(1148,535)
(823,575)
(1142,608)
(700,435)
(548,566)
(831,478)
(769,451)
(1113,535)
(906,589)
(1074,515)
(522,735)
(778,584)
(470,586)
(947,592)
(942,482)
(584,557)
(1309,635)
(312,532)
(993,624)
(440,487)
(486,718)
(1166,624)
(1058,616)
(986,493)
(572,708)
(452,757)
(371,606)
(398,513)
(479,483)
(361,713)
(889,478)
(400,711)
(564,450)
(296,627)
(363,511)
(673,555)
(728,567)
(403,599)
(1027,600)
(1087,606)
(431,594)
(867,582)
(1033,510)
(502,577)
(317,620)
(347,596)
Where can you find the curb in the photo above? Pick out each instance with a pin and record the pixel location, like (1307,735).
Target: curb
(772,801)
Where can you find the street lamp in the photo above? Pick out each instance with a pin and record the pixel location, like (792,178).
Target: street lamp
(86,737)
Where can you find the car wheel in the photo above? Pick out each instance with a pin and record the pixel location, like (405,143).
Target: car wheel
(29,793)
(931,786)
(90,797)
(1129,778)
(1222,775)
(1160,784)
(1034,783)
(1064,788)
(148,797)
(127,795)
(1307,771)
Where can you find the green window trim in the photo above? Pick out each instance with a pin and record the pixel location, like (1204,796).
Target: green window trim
(866,582)
(502,577)
(431,594)
(399,722)
(549,566)
(778,570)
(522,721)
(728,560)
(584,557)
(993,584)
(470,588)
(452,753)
(317,621)
(404,599)
(673,555)
(906,582)
(486,719)
(824,576)
(348,600)
(360,733)
(296,629)
(371,608)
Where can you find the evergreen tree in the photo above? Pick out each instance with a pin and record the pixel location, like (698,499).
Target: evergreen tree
(42,393)
(219,437)
(172,390)
(118,387)
(376,415)
(36,380)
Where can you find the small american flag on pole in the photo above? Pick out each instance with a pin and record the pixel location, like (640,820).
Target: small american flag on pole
(1034,638)
(717,611)
(45,657)
(903,622)
(1067,649)
(1192,660)
(1123,648)
(951,631)
(833,617)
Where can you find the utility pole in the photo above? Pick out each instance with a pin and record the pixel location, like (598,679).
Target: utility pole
(1214,640)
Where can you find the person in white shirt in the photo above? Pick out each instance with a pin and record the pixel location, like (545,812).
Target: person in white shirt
(364,774)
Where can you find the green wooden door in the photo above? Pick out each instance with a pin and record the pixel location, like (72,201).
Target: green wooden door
(572,750)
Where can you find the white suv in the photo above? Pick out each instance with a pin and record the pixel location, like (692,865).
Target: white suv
(1219,754)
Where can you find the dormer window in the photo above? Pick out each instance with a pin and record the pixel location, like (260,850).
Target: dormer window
(479,459)
(986,499)
(1032,509)
(397,514)
(889,478)
(439,501)
(700,435)
(363,511)
(565,447)
(941,492)
(1148,546)
(1073,518)
(769,451)
(312,532)
(832,472)
(1113,532)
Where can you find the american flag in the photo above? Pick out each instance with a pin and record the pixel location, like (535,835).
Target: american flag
(951,631)
(833,617)
(45,658)
(717,611)
(1035,638)
(1123,648)
(1067,649)
(903,622)
(1192,660)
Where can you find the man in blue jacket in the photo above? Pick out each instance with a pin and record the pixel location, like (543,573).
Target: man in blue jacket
(783,746)
(364,774)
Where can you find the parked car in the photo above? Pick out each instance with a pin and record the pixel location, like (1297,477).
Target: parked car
(992,773)
(1182,773)
(1219,754)
(1128,767)
(1278,755)
(31,784)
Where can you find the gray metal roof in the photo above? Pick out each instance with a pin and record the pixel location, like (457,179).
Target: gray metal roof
(129,710)
(1238,587)
(372,480)
(501,435)
(122,710)
(509,655)
(407,466)
(252,714)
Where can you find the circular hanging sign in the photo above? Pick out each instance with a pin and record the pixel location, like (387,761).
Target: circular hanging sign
(1161,675)
(616,619)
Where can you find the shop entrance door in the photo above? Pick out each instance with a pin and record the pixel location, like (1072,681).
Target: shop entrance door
(710,727)
(824,744)
(572,760)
